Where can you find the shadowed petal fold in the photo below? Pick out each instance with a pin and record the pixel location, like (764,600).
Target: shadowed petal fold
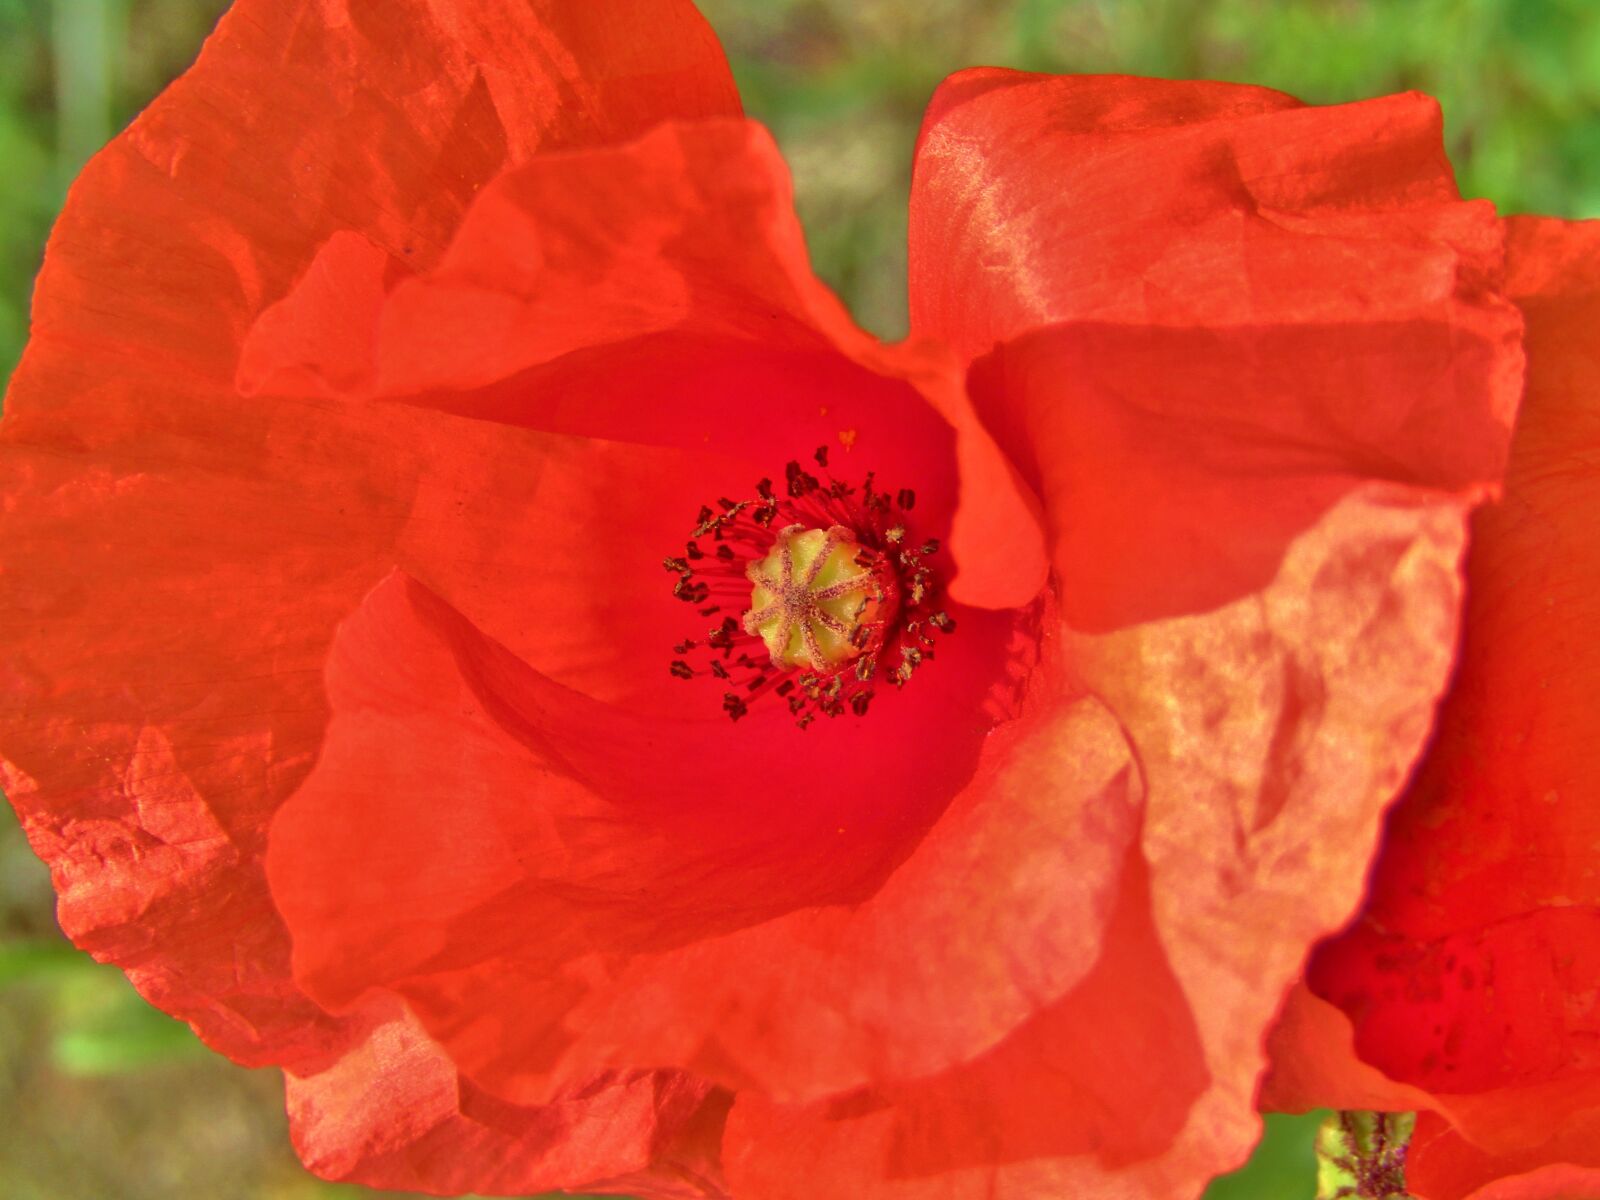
(1469,977)
(746,904)
(394,1113)
(176,556)
(1041,199)
(337,484)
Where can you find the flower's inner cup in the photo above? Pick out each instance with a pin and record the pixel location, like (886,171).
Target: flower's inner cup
(835,594)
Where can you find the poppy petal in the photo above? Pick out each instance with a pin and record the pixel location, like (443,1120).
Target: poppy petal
(1470,973)
(1314,1064)
(484,802)
(1054,1109)
(1188,203)
(1175,465)
(672,274)
(1443,1165)
(1497,824)
(176,558)
(393,1113)
(1240,383)
(1419,1016)
(1269,755)
(1558,1182)
(321,339)
(1204,207)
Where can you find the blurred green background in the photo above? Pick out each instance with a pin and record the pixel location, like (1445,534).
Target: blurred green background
(104,1097)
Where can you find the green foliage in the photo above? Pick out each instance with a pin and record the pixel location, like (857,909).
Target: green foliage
(30,195)
(1283,1167)
(98,1024)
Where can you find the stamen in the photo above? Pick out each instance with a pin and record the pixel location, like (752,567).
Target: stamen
(836,596)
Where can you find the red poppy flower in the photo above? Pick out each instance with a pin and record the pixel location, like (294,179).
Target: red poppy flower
(1470,984)
(379,366)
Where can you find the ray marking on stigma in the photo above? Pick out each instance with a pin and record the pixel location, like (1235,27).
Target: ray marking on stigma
(733,555)
(799,605)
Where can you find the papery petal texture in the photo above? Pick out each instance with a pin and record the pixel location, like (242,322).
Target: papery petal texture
(1238,645)
(1449,1166)
(177,556)
(393,1112)
(672,902)
(337,484)
(757,368)
(1469,978)
(1040,199)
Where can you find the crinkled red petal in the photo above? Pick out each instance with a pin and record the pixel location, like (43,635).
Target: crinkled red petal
(1443,1165)
(175,556)
(1253,358)
(661,293)
(678,264)
(1314,1064)
(772,948)
(713,896)
(393,1112)
(1176,465)
(1470,976)
(1040,199)
(1057,1108)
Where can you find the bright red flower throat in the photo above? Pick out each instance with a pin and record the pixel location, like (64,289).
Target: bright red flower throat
(832,590)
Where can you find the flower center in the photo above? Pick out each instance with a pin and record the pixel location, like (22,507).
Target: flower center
(818,597)
(837,591)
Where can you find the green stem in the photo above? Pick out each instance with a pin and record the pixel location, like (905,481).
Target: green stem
(1362,1156)
(85,47)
